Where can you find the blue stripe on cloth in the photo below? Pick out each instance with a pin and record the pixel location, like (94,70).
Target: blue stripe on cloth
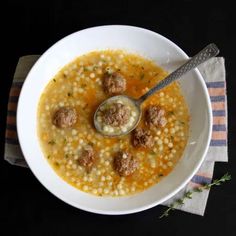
(220,142)
(218,112)
(11,113)
(219,128)
(218,84)
(198,179)
(17,84)
(11,127)
(12,141)
(217,98)
(13,98)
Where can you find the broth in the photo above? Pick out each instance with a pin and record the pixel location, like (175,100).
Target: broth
(79,85)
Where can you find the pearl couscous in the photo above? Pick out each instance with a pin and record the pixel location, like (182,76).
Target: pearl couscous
(66,131)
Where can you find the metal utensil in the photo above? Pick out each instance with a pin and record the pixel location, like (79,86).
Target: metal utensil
(206,53)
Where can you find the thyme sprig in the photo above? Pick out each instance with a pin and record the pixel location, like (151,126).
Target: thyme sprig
(188,194)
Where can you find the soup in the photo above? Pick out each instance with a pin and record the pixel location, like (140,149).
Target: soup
(101,165)
(116,116)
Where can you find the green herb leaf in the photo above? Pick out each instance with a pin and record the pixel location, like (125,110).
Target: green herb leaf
(91,143)
(152,153)
(226,177)
(52,142)
(170,113)
(83,85)
(95,67)
(218,182)
(56,164)
(180,201)
(142,76)
(188,194)
(197,190)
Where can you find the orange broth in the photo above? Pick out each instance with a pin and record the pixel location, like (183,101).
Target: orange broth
(79,85)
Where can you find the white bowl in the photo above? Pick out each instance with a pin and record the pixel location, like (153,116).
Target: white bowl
(133,39)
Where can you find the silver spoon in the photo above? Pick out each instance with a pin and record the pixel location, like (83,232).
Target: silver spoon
(206,53)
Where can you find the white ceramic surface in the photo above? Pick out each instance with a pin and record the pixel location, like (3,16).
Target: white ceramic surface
(133,39)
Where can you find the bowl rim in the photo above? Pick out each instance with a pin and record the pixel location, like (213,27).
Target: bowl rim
(144,207)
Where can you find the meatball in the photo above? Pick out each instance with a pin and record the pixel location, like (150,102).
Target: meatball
(155,116)
(142,138)
(116,115)
(87,158)
(125,164)
(114,83)
(64,117)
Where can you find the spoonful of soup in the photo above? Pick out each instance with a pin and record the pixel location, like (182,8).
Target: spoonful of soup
(120,114)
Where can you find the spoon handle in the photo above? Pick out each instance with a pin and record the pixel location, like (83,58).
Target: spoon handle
(206,53)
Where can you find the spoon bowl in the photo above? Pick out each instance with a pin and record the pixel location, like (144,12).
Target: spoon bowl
(122,99)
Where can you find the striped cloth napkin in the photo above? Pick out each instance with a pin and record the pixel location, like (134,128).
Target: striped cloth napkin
(213,71)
